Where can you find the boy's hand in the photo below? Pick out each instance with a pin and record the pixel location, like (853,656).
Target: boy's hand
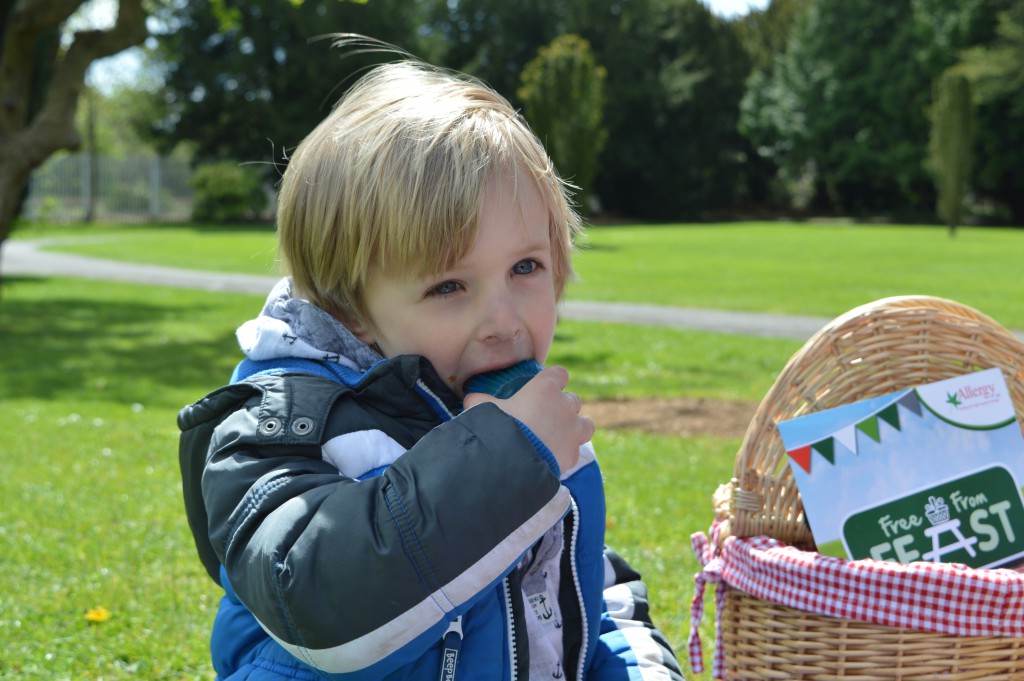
(550,412)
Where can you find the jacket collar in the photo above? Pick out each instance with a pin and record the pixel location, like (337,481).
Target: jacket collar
(293,327)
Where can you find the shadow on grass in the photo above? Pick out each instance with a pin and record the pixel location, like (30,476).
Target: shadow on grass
(115,346)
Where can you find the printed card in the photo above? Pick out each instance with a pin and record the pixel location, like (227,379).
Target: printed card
(932,473)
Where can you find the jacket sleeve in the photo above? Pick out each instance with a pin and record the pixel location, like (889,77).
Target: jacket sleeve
(362,576)
(630,647)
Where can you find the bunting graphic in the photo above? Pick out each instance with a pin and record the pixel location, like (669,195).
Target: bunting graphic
(846,436)
(869,427)
(911,402)
(802,455)
(826,449)
(891,415)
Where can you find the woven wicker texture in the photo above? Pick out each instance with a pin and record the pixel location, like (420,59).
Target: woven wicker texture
(873,350)
(767,641)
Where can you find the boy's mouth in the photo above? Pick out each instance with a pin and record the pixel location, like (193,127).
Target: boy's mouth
(504,381)
(489,370)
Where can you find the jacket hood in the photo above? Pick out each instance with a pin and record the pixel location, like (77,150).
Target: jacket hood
(292,327)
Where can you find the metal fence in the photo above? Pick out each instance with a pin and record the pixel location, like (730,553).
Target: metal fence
(75,187)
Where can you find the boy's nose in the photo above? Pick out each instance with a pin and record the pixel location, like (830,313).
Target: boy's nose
(500,319)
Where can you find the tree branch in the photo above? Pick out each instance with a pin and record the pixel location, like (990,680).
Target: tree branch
(31,16)
(54,127)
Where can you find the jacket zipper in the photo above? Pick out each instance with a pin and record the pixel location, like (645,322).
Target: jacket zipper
(579,590)
(452,644)
(513,656)
(435,403)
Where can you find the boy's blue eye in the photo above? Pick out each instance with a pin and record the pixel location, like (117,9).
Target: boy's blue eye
(445,288)
(524,267)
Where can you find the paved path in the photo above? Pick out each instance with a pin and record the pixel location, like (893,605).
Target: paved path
(28,258)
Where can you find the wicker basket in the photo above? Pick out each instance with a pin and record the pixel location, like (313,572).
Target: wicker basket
(873,350)
(763,640)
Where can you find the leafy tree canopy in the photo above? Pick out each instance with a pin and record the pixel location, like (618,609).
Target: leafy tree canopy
(847,100)
(247,81)
(244,81)
(700,111)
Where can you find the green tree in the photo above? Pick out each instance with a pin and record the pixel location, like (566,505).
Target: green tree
(951,143)
(845,106)
(41,80)
(675,77)
(563,94)
(243,82)
(996,69)
(246,81)
(494,39)
(119,119)
(676,74)
(838,104)
(765,35)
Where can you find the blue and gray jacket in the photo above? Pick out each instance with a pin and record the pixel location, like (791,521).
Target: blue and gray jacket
(364,527)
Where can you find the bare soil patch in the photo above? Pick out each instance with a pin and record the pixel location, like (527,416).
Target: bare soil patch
(673,416)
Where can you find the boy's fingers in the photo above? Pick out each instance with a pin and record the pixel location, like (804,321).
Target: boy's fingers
(473,399)
(588,429)
(558,373)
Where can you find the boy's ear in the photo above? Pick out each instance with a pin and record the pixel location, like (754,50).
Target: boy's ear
(362,334)
(351,321)
(359,330)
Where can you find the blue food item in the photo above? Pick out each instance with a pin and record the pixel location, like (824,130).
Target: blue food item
(503,383)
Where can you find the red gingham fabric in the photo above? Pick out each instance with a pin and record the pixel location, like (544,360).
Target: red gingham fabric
(711,573)
(946,598)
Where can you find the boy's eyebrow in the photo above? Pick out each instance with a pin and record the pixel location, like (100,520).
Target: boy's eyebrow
(541,240)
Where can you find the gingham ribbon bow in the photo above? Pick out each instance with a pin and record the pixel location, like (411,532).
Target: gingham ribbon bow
(711,573)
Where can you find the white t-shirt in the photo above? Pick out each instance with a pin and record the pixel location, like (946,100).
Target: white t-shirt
(543,616)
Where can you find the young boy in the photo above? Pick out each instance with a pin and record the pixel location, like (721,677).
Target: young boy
(365,517)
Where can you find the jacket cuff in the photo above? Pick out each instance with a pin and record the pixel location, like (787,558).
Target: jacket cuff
(542,449)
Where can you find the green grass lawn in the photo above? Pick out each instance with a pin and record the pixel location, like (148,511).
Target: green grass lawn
(247,249)
(796,268)
(804,268)
(91,377)
(93,373)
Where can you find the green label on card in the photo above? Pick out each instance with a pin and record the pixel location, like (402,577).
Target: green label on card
(977,519)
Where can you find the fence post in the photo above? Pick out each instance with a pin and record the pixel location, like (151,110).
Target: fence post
(154,187)
(86,185)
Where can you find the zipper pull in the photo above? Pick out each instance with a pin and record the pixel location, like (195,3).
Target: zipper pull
(452,642)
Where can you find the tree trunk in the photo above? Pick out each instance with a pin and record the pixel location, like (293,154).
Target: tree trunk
(13,180)
(12,184)
(28,140)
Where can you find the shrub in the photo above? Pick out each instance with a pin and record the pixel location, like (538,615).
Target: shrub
(227,192)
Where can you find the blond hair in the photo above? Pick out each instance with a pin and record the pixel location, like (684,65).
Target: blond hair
(394,178)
